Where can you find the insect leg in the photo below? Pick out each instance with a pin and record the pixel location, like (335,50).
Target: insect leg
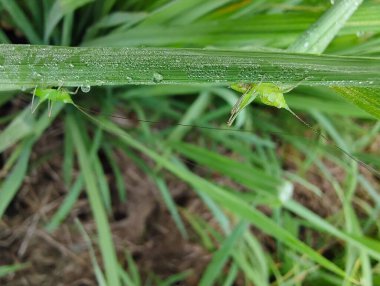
(34,94)
(50,106)
(290,88)
(74,92)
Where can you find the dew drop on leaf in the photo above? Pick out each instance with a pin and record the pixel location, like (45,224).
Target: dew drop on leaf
(157,77)
(85,88)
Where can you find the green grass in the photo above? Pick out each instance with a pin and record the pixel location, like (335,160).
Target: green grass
(270,201)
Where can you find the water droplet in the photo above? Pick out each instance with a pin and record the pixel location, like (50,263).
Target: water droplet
(85,88)
(71,65)
(157,77)
(360,34)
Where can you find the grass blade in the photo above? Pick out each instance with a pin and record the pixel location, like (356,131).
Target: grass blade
(105,239)
(21,20)
(19,128)
(366,98)
(12,183)
(322,32)
(60,9)
(221,256)
(30,66)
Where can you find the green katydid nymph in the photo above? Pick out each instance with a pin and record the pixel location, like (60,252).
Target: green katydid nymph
(269,94)
(52,95)
(272,95)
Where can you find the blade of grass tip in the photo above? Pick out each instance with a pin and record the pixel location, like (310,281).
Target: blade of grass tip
(10,269)
(98,272)
(21,21)
(221,256)
(59,9)
(13,181)
(227,200)
(104,232)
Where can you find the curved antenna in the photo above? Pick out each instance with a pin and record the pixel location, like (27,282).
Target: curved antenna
(319,133)
(316,131)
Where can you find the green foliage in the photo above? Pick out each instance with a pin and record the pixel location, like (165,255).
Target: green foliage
(191,57)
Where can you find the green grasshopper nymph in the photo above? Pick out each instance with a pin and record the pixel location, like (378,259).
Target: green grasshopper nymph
(269,94)
(272,95)
(52,95)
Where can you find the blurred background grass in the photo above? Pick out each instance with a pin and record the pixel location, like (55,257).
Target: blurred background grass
(163,204)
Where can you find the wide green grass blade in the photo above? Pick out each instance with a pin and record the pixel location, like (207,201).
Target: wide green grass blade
(104,233)
(30,66)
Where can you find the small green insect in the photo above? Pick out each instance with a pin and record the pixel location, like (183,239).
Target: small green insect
(52,95)
(269,94)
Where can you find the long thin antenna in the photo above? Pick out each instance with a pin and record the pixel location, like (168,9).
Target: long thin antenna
(319,133)
(316,131)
